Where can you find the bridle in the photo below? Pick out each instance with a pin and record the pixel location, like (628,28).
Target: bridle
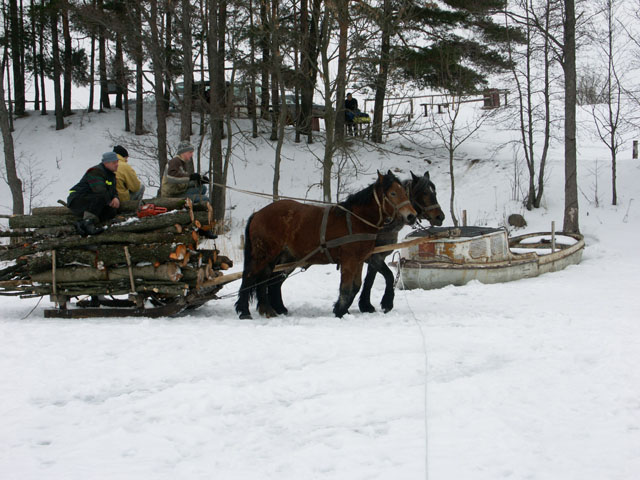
(416,202)
(395,207)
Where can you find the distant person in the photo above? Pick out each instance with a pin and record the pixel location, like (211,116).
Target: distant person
(350,111)
(95,198)
(179,180)
(127,183)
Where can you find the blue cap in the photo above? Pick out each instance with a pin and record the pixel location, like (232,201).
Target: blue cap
(109,157)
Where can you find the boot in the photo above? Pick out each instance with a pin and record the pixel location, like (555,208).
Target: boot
(87,226)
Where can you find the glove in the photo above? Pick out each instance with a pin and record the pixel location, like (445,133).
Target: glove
(195,177)
(205,179)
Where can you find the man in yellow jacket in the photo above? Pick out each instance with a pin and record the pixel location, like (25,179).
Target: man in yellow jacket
(127,183)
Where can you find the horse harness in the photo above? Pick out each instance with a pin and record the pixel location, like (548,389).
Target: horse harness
(350,237)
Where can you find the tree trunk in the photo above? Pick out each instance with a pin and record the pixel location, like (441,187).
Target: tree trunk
(56,69)
(168,50)
(102,64)
(383,73)
(275,87)
(118,72)
(15,184)
(41,25)
(138,55)
(571,212)
(216,41)
(341,77)
(251,97)
(264,45)
(158,58)
(92,74)
(329,114)
(15,19)
(187,67)
(36,71)
(68,59)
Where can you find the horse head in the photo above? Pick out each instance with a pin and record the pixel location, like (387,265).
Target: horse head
(423,198)
(395,202)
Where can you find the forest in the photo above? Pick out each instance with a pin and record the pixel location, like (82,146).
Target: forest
(290,63)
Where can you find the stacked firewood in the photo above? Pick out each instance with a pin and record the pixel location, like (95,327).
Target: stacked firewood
(161,256)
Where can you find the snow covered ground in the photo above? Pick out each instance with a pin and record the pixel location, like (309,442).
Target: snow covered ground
(534,379)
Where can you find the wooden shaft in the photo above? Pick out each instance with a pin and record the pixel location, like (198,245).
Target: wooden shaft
(131,281)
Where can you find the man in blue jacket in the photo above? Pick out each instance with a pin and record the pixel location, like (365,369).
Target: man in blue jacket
(94,198)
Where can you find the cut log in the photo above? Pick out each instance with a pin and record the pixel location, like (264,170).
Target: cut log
(130,206)
(35,221)
(123,238)
(167,271)
(110,288)
(108,255)
(153,222)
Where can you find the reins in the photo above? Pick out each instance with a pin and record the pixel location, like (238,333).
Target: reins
(329,204)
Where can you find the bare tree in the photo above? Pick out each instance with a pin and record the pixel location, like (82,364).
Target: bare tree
(15,184)
(452,131)
(56,67)
(67,69)
(609,118)
(563,40)
(187,71)
(15,19)
(534,97)
(342,17)
(216,49)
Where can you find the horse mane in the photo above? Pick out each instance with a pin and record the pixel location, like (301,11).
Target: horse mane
(422,184)
(364,197)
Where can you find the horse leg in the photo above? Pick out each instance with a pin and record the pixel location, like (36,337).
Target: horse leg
(365,295)
(389,293)
(350,281)
(274,290)
(244,296)
(262,287)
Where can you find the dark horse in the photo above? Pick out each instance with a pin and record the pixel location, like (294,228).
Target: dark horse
(422,194)
(345,234)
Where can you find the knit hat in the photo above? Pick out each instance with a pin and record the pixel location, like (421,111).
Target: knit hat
(184,147)
(109,157)
(121,151)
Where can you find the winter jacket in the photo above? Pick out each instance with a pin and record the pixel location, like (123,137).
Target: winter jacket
(175,181)
(126,180)
(98,180)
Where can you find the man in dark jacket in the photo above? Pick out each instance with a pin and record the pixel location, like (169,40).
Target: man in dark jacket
(94,198)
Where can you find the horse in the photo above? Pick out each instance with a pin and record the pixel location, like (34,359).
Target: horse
(422,193)
(344,234)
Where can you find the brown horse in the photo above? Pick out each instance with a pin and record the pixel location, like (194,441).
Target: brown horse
(422,193)
(288,231)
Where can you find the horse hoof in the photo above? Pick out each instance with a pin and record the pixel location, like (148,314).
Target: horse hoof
(246,316)
(367,308)
(267,312)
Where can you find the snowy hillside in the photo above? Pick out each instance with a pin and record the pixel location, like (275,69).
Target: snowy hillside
(534,379)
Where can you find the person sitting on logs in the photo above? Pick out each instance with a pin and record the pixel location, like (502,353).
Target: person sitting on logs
(127,183)
(179,179)
(95,198)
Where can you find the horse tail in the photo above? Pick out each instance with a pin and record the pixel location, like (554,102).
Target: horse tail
(248,287)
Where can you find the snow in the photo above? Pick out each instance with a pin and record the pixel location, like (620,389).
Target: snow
(533,379)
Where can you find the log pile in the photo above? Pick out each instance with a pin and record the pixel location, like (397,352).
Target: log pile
(159,257)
